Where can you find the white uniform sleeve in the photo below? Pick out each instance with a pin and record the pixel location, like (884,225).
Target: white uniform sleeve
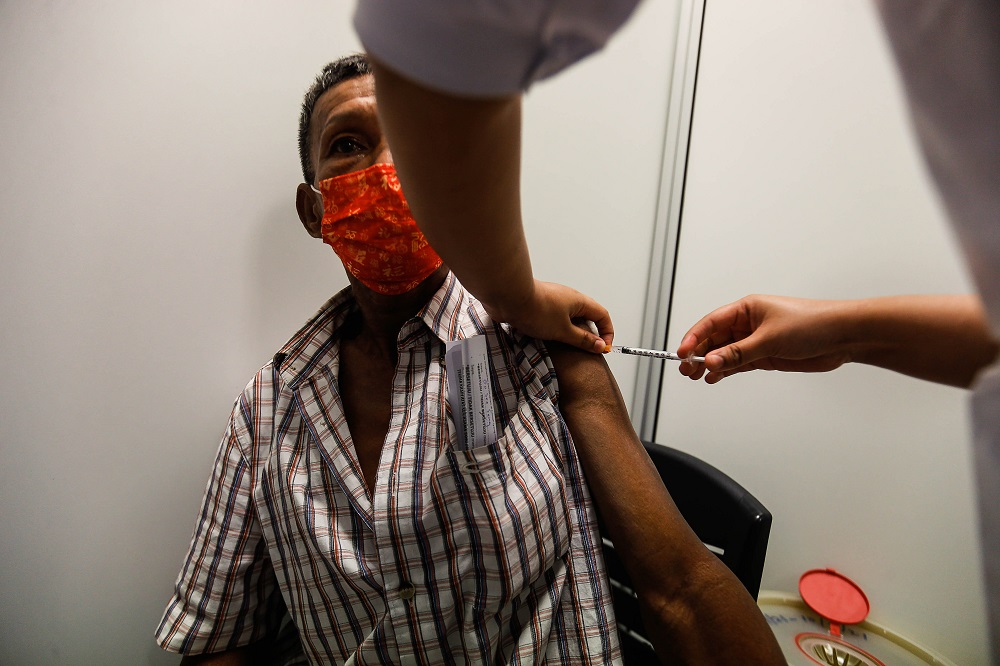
(486,48)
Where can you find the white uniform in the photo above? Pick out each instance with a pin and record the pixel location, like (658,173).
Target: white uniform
(486,48)
(949,56)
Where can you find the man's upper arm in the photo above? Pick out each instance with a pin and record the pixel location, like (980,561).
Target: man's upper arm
(686,592)
(588,393)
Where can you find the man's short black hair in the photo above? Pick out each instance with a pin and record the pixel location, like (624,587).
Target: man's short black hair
(348,67)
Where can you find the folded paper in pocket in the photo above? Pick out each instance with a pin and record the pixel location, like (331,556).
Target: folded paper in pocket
(470,392)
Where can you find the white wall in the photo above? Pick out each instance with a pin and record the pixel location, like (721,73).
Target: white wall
(804,180)
(152,261)
(592,150)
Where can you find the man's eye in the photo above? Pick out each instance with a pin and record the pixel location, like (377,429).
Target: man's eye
(346,145)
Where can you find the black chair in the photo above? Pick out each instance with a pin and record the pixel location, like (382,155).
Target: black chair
(727,518)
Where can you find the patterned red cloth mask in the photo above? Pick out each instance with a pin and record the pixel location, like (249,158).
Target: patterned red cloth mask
(368,223)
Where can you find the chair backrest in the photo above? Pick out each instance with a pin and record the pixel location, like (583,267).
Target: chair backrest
(729,520)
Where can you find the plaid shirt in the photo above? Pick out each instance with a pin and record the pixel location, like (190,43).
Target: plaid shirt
(489,555)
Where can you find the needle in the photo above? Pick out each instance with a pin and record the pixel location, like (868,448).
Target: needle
(652,353)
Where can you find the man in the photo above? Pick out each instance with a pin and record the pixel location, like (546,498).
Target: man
(341,492)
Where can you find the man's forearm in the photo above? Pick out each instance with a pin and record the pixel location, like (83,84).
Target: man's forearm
(459,161)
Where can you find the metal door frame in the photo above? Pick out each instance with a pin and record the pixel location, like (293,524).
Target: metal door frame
(669,209)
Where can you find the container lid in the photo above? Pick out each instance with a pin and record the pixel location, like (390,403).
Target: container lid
(797,628)
(834,597)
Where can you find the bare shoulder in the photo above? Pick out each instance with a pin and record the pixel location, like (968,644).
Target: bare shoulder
(584,377)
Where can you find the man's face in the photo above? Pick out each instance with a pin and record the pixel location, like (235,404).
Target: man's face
(344,137)
(345,134)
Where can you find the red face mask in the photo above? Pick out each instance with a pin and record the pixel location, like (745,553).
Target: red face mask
(368,223)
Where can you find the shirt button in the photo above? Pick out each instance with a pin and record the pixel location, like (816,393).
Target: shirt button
(406,591)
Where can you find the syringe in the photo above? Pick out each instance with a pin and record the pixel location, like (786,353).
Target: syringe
(652,353)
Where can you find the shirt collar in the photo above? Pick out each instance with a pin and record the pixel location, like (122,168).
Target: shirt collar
(450,314)
(314,345)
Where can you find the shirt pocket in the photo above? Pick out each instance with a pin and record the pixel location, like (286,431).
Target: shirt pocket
(508,509)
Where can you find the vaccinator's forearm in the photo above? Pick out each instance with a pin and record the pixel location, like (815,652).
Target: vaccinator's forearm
(459,162)
(940,338)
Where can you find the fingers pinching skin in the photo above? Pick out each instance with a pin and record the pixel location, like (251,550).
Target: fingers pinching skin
(588,342)
(555,312)
(591,310)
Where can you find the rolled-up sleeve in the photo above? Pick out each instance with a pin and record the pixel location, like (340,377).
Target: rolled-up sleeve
(222,599)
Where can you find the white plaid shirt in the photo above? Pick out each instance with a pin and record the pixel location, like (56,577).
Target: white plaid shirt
(489,555)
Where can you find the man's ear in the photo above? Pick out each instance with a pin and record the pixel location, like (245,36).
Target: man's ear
(310,208)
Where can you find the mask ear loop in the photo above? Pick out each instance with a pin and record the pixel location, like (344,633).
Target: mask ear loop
(319,195)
